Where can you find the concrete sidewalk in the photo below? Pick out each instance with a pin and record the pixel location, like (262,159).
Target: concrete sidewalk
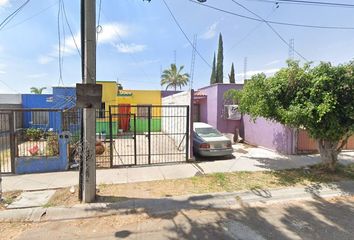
(160,206)
(245,159)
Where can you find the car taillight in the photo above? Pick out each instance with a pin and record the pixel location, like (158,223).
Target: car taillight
(229,145)
(204,145)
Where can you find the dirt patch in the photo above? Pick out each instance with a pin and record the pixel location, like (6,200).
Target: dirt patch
(8,198)
(13,230)
(218,182)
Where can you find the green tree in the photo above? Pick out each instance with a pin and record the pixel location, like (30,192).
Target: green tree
(220,62)
(174,77)
(233,96)
(319,99)
(37,90)
(232,74)
(213,72)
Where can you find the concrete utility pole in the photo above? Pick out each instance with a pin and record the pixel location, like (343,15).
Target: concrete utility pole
(89,114)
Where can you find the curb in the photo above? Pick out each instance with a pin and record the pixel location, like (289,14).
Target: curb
(159,206)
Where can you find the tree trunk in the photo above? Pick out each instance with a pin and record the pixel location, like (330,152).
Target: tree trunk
(328,152)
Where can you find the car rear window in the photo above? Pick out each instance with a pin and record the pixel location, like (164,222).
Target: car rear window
(208,132)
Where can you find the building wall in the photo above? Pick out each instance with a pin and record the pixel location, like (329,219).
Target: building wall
(178,123)
(268,134)
(64,97)
(166,93)
(212,108)
(10,99)
(109,93)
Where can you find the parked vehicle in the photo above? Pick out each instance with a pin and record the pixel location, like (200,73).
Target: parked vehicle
(209,142)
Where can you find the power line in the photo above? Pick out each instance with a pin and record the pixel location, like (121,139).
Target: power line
(318,3)
(311,3)
(185,35)
(12,15)
(272,22)
(32,16)
(271,27)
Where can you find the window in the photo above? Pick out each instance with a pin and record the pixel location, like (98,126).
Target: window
(40,118)
(143,111)
(208,132)
(102,111)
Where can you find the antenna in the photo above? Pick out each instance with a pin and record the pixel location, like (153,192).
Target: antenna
(193,61)
(245,69)
(291,49)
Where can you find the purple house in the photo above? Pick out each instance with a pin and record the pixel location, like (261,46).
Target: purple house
(209,104)
(208,107)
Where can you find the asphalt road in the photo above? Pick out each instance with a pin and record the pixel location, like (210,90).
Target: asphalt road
(320,219)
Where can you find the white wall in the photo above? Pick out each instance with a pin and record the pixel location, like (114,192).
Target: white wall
(177,123)
(10,99)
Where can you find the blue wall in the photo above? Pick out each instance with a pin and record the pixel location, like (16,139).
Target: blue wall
(62,98)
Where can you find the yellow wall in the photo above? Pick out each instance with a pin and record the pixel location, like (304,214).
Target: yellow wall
(110,96)
(109,93)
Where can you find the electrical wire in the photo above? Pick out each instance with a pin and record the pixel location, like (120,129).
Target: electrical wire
(12,15)
(310,3)
(185,35)
(273,22)
(271,27)
(31,17)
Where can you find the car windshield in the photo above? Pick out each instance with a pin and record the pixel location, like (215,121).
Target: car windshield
(208,132)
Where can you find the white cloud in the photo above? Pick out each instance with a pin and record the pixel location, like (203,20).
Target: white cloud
(272,62)
(2,66)
(4,3)
(211,31)
(110,33)
(45,59)
(37,75)
(265,71)
(130,48)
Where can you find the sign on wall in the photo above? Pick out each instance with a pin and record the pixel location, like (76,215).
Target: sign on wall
(232,112)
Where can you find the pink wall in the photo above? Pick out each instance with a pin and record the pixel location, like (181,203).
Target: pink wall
(211,108)
(268,134)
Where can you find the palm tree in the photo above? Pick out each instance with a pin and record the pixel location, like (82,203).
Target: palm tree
(174,77)
(37,90)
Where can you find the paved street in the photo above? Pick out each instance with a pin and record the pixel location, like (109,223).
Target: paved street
(245,159)
(318,219)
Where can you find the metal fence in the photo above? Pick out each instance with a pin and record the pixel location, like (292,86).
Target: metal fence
(28,133)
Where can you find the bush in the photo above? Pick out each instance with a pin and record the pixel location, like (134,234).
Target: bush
(34,134)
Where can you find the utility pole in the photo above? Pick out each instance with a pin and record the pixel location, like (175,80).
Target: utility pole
(89,114)
(193,62)
(291,48)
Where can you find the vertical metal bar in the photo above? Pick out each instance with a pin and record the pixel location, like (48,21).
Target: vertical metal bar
(149,134)
(135,145)
(12,141)
(110,137)
(187,134)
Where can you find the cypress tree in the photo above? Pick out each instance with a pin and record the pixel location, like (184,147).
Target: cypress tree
(232,74)
(220,62)
(213,73)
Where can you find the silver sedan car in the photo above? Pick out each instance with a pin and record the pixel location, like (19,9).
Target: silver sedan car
(209,142)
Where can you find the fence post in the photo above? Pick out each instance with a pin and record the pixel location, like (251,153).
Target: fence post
(149,134)
(13,144)
(110,137)
(187,134)
(135,145)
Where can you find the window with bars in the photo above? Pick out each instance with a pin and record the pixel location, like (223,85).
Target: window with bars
(40,118)
(143,111)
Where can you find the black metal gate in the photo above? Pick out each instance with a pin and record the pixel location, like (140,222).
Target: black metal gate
(6,142)
(147,134)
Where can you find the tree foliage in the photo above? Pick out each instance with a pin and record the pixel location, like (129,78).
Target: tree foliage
(213,72)
(173,77)
(232,74)
(319,99)
(233,96)
(37,90)
(220,62)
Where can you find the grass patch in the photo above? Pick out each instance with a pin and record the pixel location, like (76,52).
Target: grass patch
(217,182)
(8,198)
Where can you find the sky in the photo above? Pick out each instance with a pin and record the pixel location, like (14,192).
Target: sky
(138,39)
